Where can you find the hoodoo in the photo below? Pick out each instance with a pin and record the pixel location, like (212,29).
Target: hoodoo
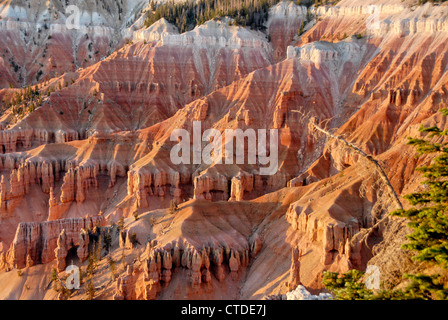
(221,150)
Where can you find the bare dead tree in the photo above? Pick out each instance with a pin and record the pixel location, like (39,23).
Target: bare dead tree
(372,161)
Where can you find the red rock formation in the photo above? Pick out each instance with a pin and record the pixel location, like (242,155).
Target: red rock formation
(161,265)
(45,241)
(374,91)
(124,285)
(294,272)
(61,251)
(285,22)
(142,184)
(98,99)
(83,245)
(37,50)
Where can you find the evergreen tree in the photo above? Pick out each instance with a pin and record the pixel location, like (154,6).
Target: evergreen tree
(173,207)
(121,224)
(90,292)
(99,246)
(54,274)
(428,218)
(113,267)
(187,15)
(92,264)
(347,286)
(107,242)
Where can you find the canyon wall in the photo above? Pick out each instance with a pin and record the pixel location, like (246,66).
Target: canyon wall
(102,144)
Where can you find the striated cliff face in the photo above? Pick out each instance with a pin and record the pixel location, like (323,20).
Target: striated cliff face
(284,24)
(161,77)
(384,17)
(203,250)
(156,32)
(199,266)
(42,40)
(99,148)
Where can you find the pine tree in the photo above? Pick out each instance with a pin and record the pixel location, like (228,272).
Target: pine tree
(54,274)
(429,216)
(92,264)
(113,267)
(99,246)
(173,207)
(186,15)
(107,242)
(90,292)
(120,224)
(301,29)
(347,286)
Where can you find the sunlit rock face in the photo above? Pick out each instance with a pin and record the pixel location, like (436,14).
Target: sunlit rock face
(98,147)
